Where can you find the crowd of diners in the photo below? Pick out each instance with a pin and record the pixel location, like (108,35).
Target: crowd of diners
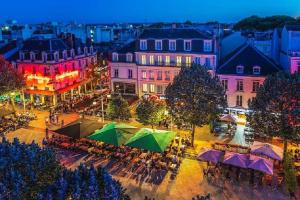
(13,122)
(140,163)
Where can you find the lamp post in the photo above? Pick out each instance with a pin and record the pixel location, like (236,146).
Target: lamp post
(102,106)
(94,104)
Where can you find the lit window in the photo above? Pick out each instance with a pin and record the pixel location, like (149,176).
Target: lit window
(151,75)
(143,60)
(167,60)
(239,69)
(116,73)
(256,70)
(143,44)
(172,45)
(207,45)
(152,88)
(144,74)
(115,57)
(151,60)
(129,73)
(240,85)
(159,89)
(187,45)
(145,87)
(178,61)
(159,60)
(158,45)
(188,60)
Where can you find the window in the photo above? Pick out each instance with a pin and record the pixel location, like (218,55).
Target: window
(239,100)
(130,73)
(129,57)
(172,45)
(152,88)
(239,69)
(144,74)
(151,60)
(187,45)
(176,73)
(22,56)
(159,75)
(158,45)
(116,73)
(145,87)
(255,86)
(143,44)
(56,57)
(167,60)
(207,45)
(159,60)
(207,62)
(159,89)
(225,84)
(115,57)
(178,61)
(240,85)
(167,75)
(143,60)
(256,70)
(198,60)
(151,75)
(188,60)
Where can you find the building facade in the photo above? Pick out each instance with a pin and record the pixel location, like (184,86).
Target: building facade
(241,74)
(158,56)
(53,70)
(290,48)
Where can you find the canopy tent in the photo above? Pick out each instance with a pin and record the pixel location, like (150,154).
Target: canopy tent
(236,159)
(261,164)
(228,118)
(113,133)
(267,149)
(152,140)
(210,155)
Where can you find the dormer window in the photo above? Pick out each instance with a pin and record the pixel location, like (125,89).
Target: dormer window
(256,70)
(172,45)
(128,57)
(72,53)
(91,50)
(207,45)
(143,44)
(65,54)
(115,57)
(158,45)
(56,56)
(85,50)
(187,45)
(32,56)
(79,50)
(240,69)
(21,56)
(44,56)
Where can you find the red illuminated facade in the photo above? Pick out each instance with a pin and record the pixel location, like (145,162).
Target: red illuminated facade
(52,69)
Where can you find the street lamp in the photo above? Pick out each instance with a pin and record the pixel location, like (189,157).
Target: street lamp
(102,106)
(94,104)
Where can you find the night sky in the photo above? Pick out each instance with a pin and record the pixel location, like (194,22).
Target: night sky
(107,11)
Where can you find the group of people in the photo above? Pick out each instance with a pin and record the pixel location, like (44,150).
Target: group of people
(15,121)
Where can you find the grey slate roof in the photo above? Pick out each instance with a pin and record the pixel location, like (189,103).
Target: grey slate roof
(248,57)
(174,34)
(47,45)
(128,48)
(293,27)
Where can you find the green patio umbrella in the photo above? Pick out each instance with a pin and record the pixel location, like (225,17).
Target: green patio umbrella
(113,133)
(152,140)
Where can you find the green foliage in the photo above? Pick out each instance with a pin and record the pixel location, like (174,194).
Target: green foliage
(277,107)
(150,111)
(10,79)
(195,97)
(118,108)
(264,23)
(290,173)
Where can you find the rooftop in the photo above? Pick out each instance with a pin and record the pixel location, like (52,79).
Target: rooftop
(171,33)
(293,27)
(47,45)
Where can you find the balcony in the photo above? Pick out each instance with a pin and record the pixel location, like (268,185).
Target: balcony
(165,64)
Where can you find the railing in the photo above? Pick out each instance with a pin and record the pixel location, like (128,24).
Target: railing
(166,64)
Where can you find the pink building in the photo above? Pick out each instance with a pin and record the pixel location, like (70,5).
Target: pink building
(242,72)
(152,62)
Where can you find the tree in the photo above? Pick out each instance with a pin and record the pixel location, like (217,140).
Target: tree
(150,111)
(289,173)
(277,107)
(195,97)
(10,80)
(118,108)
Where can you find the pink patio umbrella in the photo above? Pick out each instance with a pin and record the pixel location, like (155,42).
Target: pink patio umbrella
(236,159)
(261,164)
(210,155)
(227,118)
(267,149)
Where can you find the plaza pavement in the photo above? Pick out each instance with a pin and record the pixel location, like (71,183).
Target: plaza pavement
(188,182)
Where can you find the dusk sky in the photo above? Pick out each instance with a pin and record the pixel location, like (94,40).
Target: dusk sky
(107,11)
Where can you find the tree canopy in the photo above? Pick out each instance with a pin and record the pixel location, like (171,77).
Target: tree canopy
(277,107)
(118,108)
(195,97)
(150,111)
(10,79)
(264,23)
(29,172)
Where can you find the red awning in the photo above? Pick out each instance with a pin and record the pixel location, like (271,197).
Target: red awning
(71,87)
(42,92)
